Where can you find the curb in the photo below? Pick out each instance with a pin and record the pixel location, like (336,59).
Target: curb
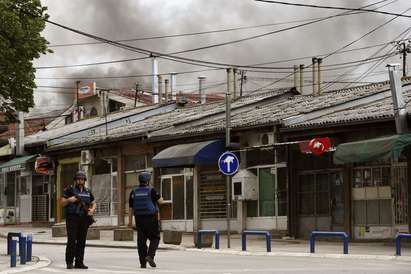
(299,254)
(41,262)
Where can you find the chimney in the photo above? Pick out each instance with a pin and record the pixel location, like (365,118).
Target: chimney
(201,90)
(20,134)
(166,91)
(400,107)
(319,61)
(154,81)
(173,86)
(160,89)
(296,76)
(301,78)
(314,69)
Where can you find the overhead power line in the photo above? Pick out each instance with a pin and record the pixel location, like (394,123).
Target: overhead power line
(333,8)
(173,57)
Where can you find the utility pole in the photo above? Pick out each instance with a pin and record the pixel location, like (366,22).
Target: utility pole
(404,47)
(230,87)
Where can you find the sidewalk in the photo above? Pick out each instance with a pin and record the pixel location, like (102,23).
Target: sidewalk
(255,246)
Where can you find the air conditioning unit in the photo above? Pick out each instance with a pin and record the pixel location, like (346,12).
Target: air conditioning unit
(10,216)
(86,157)
(245,185)
(261,139)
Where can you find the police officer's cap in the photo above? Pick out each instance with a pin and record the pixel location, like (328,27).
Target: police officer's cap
(144,177)
(80,175)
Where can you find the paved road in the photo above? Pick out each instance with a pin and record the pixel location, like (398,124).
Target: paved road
(117,261)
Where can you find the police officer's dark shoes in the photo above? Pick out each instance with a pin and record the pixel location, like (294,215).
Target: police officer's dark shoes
(143,266)
(81,266)
(70,266)
(150,261)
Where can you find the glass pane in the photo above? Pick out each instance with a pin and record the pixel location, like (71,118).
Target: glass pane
(135,162)
(266,192)
(166,189)
(385,212)
(359,212)
(322,183)
(10,189)
(357,180)
(189,197)
(178,197)
(386,176)
(337,199)
(376,176)
(373,212)
(323,203)
(306,204)
(282,203)
(281,179)
(252,208)
(307,183)
(367,177)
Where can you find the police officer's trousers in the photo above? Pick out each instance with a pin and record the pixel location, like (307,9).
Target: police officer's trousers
(77,227)
(147,228)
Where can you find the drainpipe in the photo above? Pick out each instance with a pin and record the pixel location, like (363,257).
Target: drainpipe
(173,86)
(295,76)
(160,89)
(301,78)
(201,90)
(154,81)
(400,110)
(314,59)
(20,134)
(319,61)
(166,91)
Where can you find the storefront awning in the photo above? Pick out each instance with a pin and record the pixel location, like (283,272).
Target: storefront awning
(18,163)
(371,149)
(202,153)
(5,150)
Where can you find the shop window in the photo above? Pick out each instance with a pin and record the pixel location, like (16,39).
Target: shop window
(372,195)
(166,189)
(177,191)
(10,191)
(178,197)
(272,199)
(135,162)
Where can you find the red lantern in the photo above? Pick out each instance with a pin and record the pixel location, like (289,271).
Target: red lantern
(319,145)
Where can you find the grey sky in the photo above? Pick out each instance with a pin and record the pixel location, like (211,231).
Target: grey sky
(126,19)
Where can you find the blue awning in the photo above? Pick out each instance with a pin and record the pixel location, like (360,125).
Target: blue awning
(201,153)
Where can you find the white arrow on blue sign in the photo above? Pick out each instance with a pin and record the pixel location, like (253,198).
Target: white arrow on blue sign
(228,163)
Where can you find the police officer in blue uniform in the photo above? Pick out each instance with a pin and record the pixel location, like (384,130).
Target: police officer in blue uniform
(80,205)
(143,203)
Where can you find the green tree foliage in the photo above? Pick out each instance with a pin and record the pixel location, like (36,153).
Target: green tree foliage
(21,22)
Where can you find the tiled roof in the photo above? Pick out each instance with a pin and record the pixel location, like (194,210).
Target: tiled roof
(188,114)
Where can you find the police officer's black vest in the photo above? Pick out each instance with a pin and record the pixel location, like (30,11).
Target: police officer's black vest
(142,202)
(85,196)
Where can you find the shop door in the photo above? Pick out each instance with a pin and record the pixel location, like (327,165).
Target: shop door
(320,202)
(25,199)
(337,202)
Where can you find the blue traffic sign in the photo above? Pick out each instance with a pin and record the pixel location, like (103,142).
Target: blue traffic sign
(228,163)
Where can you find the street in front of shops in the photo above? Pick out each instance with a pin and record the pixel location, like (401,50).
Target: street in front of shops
(287,256)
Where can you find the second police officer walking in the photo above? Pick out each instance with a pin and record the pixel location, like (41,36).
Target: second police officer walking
(143,203)
(80,206)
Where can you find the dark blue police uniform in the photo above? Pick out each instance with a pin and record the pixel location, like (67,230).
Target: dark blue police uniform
(143,200)
(76,224)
